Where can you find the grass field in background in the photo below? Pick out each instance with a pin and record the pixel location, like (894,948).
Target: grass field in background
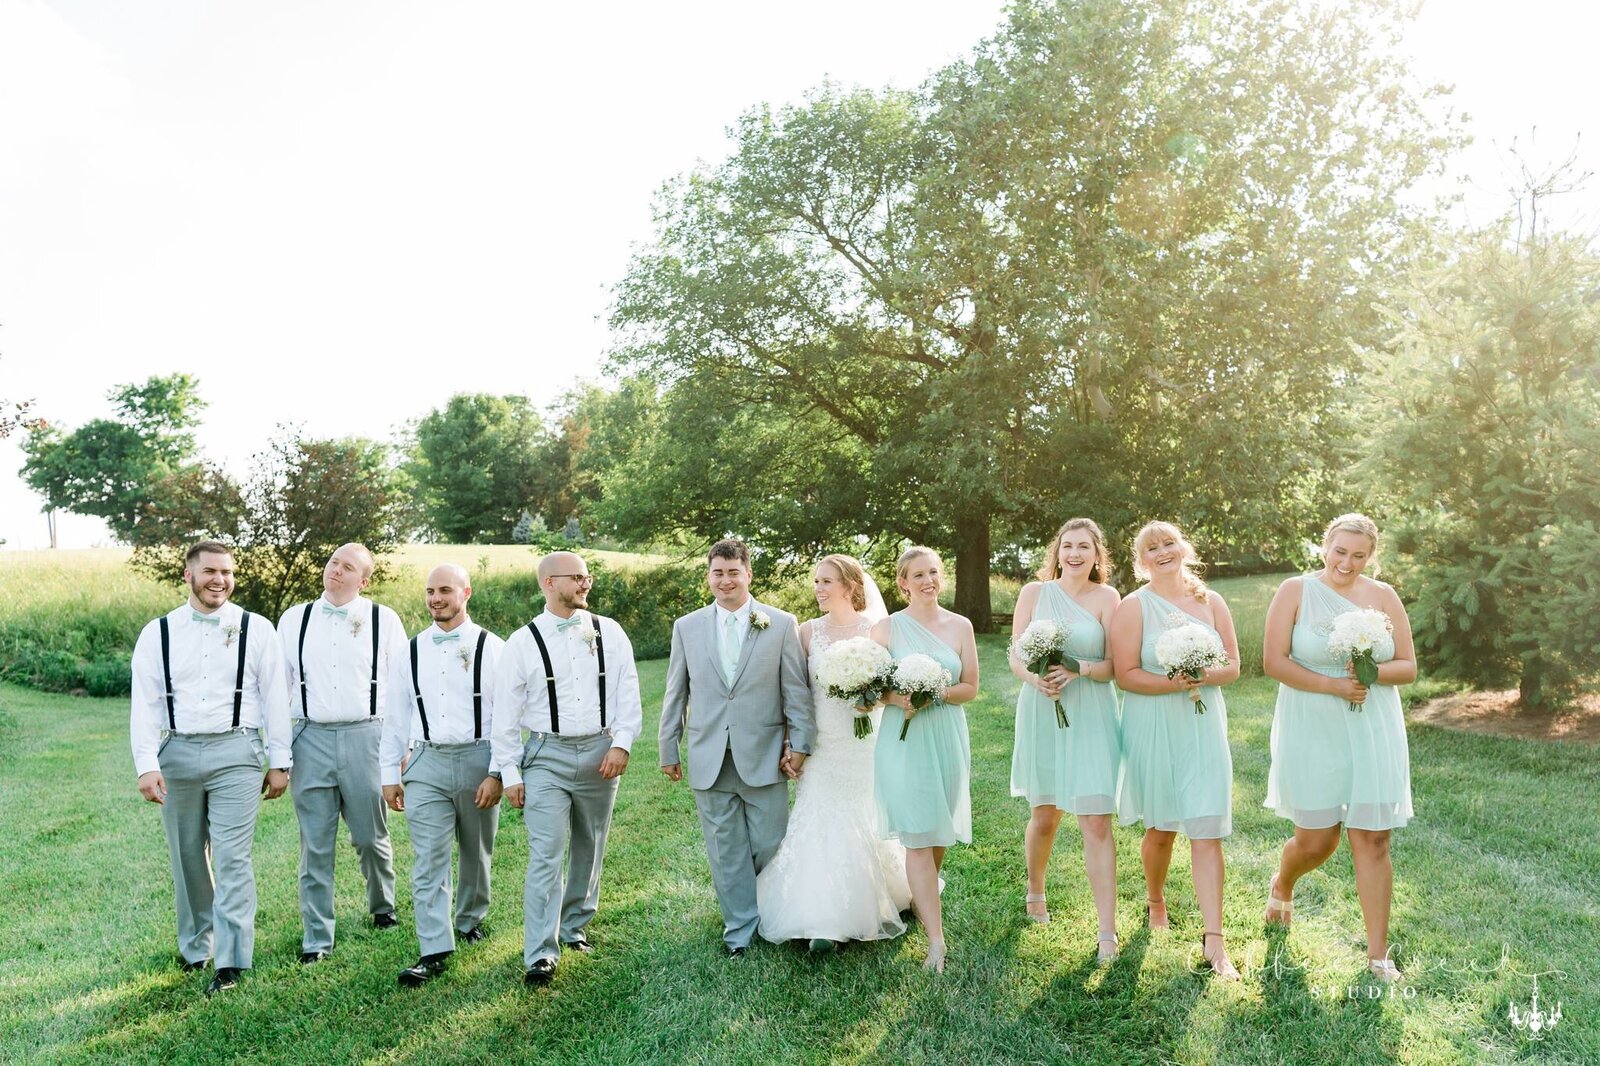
(1495,882)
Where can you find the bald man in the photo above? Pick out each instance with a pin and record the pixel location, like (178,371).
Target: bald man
(441,704)
(341,651)
(568,679)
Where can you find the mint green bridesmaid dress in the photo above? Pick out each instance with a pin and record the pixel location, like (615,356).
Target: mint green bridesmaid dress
(1332,765)
(922,781)
(1074,769)
(1177,768)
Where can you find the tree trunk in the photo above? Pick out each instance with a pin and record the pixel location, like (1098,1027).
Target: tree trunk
(972,571)
(1530,686)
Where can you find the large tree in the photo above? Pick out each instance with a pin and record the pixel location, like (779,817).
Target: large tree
(109,467)
(478,462)
(1115,260)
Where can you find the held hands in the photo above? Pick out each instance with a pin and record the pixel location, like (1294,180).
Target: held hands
(516,795)
(1348,688)
(273,785)
(152,786)
(394,796)
(614,763)
(489,790)
(791,762)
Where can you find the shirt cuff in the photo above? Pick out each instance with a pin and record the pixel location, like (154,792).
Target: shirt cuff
(510,775)
(623,740)
(144,766)
(390,775)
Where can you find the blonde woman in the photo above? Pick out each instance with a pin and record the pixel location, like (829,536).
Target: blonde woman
(1177,769)
(834,879)
(1070,770)
(1339,755)
(922,781)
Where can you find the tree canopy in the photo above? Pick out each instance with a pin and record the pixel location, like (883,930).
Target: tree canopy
(1116,258)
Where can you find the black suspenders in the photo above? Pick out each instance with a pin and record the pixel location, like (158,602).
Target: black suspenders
(238,678)
(549,674)
(477,687)
(372,698)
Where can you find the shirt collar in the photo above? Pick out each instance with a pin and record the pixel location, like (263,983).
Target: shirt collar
(467,628)
(742,614)
(552,619)
(230,613)
(354,607)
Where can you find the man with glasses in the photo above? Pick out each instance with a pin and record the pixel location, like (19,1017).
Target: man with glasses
(568,679)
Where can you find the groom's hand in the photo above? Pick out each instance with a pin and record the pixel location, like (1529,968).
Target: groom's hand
(674,772)
(793,762)
(615,761)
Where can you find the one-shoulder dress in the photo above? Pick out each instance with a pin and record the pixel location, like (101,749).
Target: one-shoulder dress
(1331,764)
(1075,768)
(922,781)
(1177,769)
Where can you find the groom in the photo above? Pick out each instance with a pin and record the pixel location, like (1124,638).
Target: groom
(735,681)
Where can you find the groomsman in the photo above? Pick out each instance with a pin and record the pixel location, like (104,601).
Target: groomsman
(340,651)
(441,706)
(207,686)
(568,678)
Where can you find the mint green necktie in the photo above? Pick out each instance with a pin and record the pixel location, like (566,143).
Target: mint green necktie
(440,638)
(208,619)
(328,608)
(730,646)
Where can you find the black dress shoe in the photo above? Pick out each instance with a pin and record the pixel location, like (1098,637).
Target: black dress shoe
(386,920)
(580,945)
(736,953)
(225,978)
(473,935)
(309,957)
(193,967)
(426,969)
(540,972)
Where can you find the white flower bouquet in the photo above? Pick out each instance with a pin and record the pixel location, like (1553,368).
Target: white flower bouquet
(858,670)
(1353,638)
(1188,649)
(1043,645)
(921,680)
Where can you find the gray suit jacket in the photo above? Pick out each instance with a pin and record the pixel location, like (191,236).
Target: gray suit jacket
(770,692)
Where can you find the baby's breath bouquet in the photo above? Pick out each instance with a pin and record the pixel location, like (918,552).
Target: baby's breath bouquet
(921,680)
(1043,645)
(1188,649)
(1354,639)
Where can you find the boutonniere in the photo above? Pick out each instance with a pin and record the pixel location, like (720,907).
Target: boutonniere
(355,627)
(464,653)
(229,635)
(759,620)
(588,635)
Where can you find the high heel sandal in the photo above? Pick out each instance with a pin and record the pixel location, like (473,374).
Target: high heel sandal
(935,959)
(1279,911)
(1229,974)
(1036,897)
(1150,904)
(1104,957)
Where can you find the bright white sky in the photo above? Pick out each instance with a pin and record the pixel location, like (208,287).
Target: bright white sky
(339,212)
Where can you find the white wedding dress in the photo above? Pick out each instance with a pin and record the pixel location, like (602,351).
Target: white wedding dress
(833,878)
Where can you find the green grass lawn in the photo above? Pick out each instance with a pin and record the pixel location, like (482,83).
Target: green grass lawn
(1496,880)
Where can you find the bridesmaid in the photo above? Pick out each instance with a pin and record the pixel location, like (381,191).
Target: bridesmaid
(1177,768)
(1071,770)
(922,781)
(1333,766)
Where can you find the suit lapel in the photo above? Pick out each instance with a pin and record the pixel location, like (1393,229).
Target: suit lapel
(748,648)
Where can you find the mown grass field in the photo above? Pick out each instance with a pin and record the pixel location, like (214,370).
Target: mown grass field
(1496,881)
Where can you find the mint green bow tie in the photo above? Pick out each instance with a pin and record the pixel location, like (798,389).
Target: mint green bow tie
(440,638)
(567,623)
(208,619)
(328,608)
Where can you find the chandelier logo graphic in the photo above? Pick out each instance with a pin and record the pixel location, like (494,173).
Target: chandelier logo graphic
(1534,1020)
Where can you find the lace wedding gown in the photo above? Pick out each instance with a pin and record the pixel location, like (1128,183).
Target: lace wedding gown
(833,878)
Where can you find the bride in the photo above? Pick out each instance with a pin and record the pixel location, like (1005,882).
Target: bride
(833,879)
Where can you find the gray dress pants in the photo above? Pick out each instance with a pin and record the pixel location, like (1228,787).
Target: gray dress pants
(336,773)
(568,808)
(213,795)
(441,783)
(743,825)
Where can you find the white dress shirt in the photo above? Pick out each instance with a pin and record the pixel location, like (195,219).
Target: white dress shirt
(444,676)
(522,699)
(205,664)
(338,657)
(741,624)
